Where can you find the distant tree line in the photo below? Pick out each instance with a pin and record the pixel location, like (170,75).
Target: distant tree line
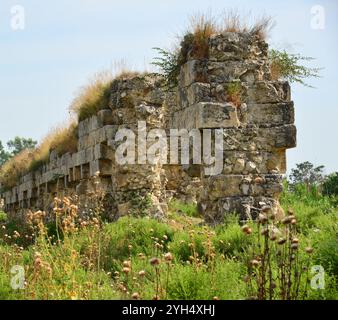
(14,147)
(307,174)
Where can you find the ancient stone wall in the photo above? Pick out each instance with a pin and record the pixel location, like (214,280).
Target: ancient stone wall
(230,90)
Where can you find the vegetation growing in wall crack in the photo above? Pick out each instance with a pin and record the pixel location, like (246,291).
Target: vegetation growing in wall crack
(287,66)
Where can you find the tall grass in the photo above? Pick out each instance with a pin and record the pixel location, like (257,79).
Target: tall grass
(142,258)
(62,139)
(93,97)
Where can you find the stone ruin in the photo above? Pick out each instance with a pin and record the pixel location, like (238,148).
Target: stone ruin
(257,130)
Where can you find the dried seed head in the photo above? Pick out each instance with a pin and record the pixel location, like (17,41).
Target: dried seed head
(126,270)
(273,237)
(255,263)
(265,232)
(295,240)
(309,250)
(262,218)
(294,246)
(246,229)
(287,220)
(168,257)
(215,298)
(293,221)
(135,296)
(281,241)
(142,273)
(127,263)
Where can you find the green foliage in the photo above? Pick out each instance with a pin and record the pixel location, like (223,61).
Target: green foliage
(19,144)
(330,185)
(4,155)
(206,262)
(188,209)
(3,217)
(225,282)
(307,174)
(168,64)
(234,93)
(289,67)
(15,146)
(140,204)
(230,240)
(136,232)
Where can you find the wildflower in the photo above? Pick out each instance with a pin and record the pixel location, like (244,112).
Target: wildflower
(255,263)
(288,219)
(294,246)
(157,245)
(295,240)
(154,261)
(293,221)
(262,218)
(273,237)
(265,231)
(215,298)
(127,263)
(246,229)
(135,296)
(281,241)
(165,237)
(168,257)
(309,250)
(142,273)
(126,270)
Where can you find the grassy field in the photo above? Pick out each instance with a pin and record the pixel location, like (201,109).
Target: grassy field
(181,258)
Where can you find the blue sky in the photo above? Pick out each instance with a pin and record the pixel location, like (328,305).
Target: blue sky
(65,42)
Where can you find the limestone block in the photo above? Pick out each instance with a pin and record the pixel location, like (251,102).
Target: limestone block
(102,151)
(93,123)
(83,128)
(198,92)
(270,114)
(205,115)
(105,117)
(103,167)
(232,46)
(193,71)
(225,72)
(266,92)
(241,185)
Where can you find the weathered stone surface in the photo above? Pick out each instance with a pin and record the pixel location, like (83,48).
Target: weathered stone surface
(206,115)
(193,71)
(230,90)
